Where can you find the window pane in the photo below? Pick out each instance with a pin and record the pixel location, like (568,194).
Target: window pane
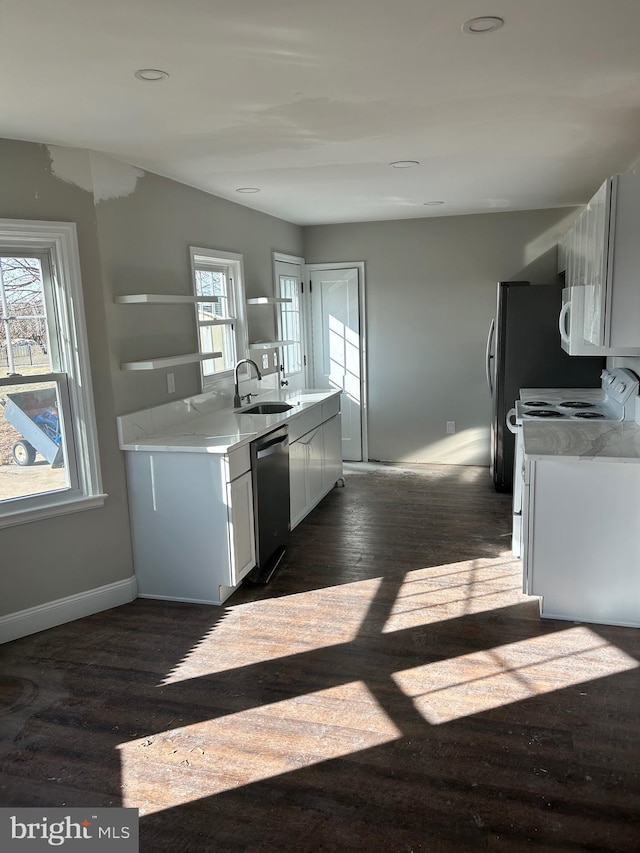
(24,343)
(213,283)
(290,324)
(217,339)
(32,455)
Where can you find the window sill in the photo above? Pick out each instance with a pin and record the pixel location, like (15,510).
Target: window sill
(63,507)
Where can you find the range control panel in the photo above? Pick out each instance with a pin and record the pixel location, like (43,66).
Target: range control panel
(620,384)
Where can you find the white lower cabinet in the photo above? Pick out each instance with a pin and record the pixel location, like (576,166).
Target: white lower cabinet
(240,518)
(581,549)
(331,452)
(315,464)
(298,466)
(192,523)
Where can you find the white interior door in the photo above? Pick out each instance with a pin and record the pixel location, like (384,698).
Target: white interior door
(337,348)
(288,283)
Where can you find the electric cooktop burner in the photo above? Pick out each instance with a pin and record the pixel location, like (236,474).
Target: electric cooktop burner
(591,415)
(575,404)
(536,403)
(544,413)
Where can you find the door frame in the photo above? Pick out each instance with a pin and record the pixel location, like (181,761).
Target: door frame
(364,407)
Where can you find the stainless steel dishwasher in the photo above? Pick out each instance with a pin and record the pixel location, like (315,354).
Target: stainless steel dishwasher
(270,472)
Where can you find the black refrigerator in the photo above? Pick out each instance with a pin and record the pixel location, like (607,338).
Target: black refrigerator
(523,351)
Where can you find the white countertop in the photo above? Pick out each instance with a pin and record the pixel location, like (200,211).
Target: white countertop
(613,441)
(194,429)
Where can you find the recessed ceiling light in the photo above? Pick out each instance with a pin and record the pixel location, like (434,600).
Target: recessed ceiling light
(404,164)
(248,190)
(150,75)
(485,24)
(427,203)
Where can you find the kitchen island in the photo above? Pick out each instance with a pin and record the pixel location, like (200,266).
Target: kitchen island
(190,485)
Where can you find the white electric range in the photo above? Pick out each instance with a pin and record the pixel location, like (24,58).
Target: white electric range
(613,401)
(576,499)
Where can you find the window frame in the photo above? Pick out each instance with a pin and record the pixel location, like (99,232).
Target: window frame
(233,263)
(59,241)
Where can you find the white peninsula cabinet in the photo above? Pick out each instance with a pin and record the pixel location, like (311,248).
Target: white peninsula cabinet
(190,486)
(192,522)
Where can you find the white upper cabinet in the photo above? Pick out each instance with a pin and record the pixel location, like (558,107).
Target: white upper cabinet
(603,258)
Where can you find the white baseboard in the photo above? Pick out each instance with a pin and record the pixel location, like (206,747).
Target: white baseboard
(53,613)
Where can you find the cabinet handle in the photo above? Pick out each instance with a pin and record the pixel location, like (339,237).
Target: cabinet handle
(562,321)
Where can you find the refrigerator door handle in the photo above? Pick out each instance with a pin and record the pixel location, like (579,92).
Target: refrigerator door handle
(489,356)
(562,321)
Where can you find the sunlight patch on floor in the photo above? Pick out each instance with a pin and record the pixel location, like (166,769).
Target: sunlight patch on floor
(458,589)
(263,630)
(470,684)
(467,447)
(163,770)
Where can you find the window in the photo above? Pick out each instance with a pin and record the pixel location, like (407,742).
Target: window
(48,448)
(290,323)
(221,325)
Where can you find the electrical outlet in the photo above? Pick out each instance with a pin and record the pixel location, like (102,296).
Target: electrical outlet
(265,361)
(171,383)
(451,427)
(275,359)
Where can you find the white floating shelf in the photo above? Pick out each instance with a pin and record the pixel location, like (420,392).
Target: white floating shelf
(267,300)
(269,344)
(168,361)
(228,322)
(161,299)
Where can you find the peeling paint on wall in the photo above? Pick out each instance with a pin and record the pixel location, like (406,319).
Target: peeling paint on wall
(112,178)
(71,165)
(106,177)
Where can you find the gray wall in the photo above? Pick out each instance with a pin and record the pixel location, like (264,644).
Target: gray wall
(430,296)
(134,230)
(58,557)
(144,237)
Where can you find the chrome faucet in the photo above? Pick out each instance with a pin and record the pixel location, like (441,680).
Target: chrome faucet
(237,399)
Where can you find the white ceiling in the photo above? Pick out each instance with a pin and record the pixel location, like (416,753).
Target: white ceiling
(310,100)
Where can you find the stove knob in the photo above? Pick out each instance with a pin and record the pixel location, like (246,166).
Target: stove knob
(610,379)
(620,387)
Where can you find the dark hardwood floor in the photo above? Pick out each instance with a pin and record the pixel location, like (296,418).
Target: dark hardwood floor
(390,690)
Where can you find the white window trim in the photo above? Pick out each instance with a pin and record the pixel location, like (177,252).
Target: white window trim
(235,261)
(60,239)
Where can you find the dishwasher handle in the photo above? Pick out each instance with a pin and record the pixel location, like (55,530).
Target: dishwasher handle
(271,446)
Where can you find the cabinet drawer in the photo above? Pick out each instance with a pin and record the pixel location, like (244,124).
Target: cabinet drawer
(330,407)
(302,423)
(238,461)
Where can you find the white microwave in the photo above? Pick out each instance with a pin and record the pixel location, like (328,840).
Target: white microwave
(571,322)
(572,326)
